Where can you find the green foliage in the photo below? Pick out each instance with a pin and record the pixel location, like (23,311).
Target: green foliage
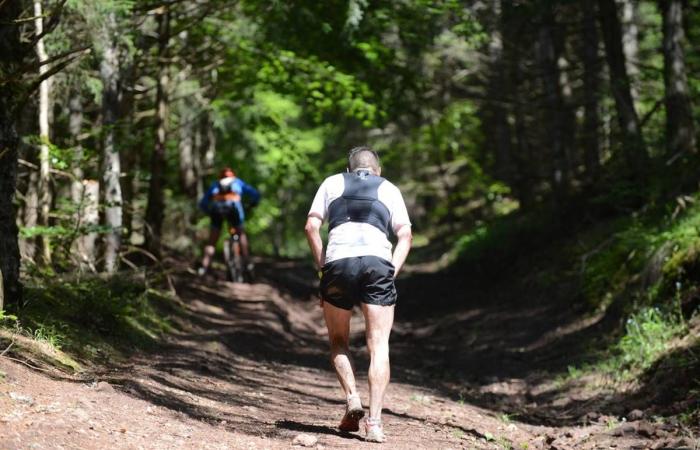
(647,336)
(630,249)
(92,317)
(6,319)
(648,263)
(326,92)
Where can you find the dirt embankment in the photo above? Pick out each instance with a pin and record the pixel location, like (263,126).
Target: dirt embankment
(249,370)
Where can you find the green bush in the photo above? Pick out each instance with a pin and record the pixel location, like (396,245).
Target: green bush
(91,315)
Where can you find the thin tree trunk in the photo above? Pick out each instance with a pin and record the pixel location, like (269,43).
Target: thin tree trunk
(75,126)
(632,140)
(188,176)
(89,216)
(44,161)
(12,55)
(630,42)
(208,153)
(197,159)
(111,163)
(591,92)
(554,105)
(30,216)
(680,127)
(521,154)
(156,204)
(2,293)
(499,95)
(85,194)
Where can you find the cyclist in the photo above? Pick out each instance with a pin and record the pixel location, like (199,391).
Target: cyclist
(223,201)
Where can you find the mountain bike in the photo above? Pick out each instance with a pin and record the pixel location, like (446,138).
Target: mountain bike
(236,266)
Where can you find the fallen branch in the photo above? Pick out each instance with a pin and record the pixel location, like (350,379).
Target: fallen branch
(8,348)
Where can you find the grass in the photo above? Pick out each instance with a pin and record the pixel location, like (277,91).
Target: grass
(90,318)
(506,418)
(639,266)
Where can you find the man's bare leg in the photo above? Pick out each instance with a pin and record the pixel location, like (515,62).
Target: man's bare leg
(210,248)
(245,249)
(378,322)
(338,324)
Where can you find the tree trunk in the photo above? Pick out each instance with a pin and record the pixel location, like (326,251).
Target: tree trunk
(10,62)
(554,106)
(680,128)
(591,93)
(111,164)
(630,42)
(632,140)
(44,161)
(2,293)
(499,96)
(156,204)
(89,216)
(198,143)
(75,126)
(512,55)
(30,216)
(208,152)
(188,175)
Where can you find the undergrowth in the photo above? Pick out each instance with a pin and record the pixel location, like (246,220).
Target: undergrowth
(644,266)
(92,318)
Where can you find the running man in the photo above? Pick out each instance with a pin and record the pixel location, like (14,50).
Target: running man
(223,201)
(362,210)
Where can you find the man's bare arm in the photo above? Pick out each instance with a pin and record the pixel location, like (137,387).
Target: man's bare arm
(313,235)
(405,239)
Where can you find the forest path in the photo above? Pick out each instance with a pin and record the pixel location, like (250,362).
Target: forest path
(250,370)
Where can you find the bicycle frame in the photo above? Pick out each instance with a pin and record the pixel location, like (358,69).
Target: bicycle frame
(233,257)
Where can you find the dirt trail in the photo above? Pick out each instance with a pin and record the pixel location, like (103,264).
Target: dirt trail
(250,370)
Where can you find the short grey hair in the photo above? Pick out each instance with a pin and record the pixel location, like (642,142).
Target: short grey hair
(363,157)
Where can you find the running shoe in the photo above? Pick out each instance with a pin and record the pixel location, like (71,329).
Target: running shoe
(353,414)
(374,431)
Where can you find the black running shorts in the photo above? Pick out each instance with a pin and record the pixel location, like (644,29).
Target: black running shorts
(220,211)
(369,279)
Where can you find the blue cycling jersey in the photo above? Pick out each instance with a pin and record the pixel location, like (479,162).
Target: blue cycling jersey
(230,194)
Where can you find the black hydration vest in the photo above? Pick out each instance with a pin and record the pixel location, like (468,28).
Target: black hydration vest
(360,203)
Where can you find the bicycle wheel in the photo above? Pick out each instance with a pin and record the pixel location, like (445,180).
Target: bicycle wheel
(234,263)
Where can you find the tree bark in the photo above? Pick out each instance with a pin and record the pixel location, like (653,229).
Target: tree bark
(75,126)
(12,56)
(30,214)
(44,161)
(591,92)
(89,215)
(633,144)
(208,152)
(517,97)
(630,42)
(187,149)
(496,113)
(111,163)
(156,204)
(680,127)
(554,106)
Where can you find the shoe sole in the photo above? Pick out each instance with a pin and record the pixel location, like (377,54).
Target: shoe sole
(351,420)
(377,437)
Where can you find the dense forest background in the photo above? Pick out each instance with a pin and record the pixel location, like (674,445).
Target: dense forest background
(118,114)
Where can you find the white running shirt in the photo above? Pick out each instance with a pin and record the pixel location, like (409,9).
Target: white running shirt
(356,238)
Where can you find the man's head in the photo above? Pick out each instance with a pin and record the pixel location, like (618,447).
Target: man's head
(364,158)
(227,172)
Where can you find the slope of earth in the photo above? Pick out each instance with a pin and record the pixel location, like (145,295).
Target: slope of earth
(250,370)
